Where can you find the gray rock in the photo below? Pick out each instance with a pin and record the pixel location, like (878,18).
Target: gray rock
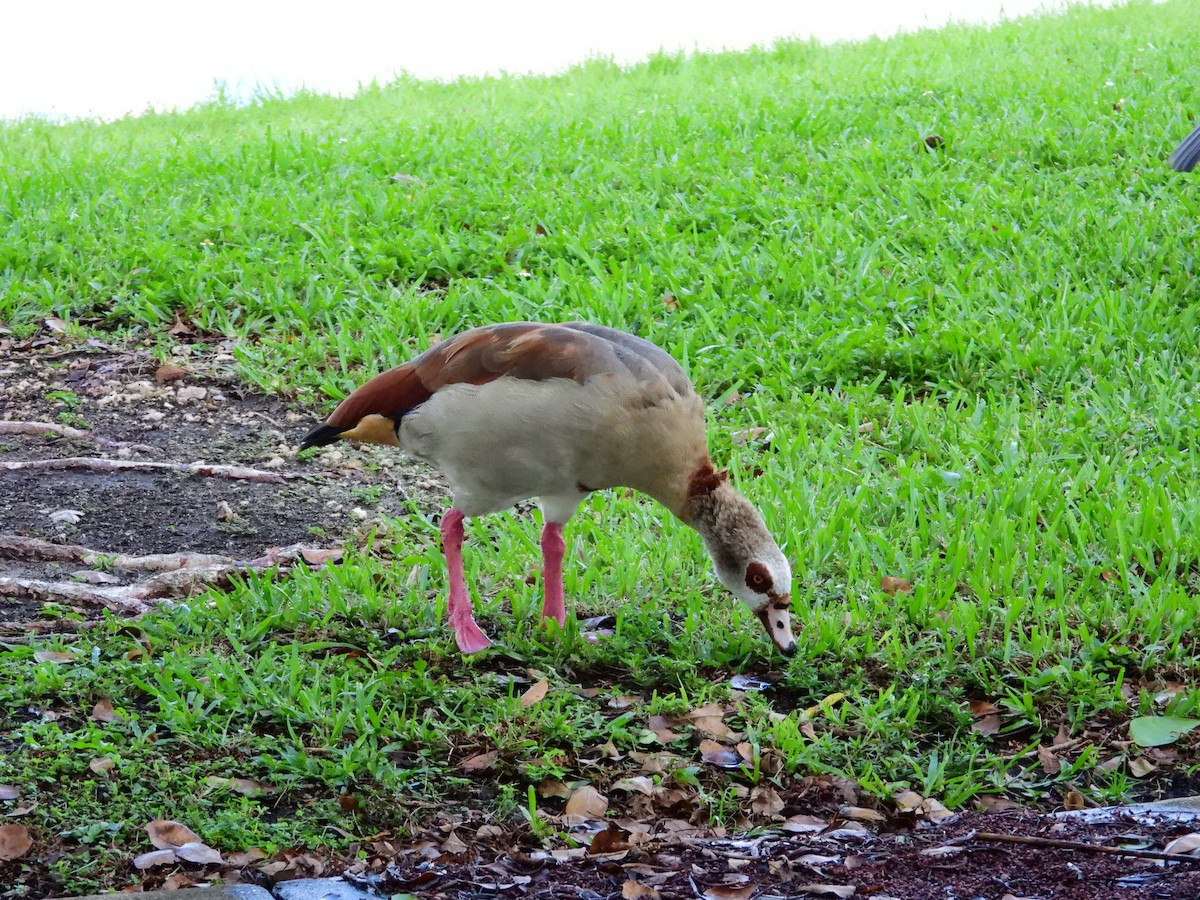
(319,889)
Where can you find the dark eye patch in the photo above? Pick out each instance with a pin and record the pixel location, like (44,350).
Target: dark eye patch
(758,578)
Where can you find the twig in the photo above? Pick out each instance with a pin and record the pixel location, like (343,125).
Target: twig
(1053,748)
(38,429)
(112,465)
(1087,848)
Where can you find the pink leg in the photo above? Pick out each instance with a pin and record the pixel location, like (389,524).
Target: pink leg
(466,631)
(553,549)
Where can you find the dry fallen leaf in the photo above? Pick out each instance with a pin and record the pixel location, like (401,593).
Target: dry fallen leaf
(166,374)
(534,694)
(102,765)
(1051,764)
(1140,767)
(710,720)
(55,324)
(165,857)
(54,656)
(587,802)
(14,842)
(986,725)
(252,855)
(982,708)
(9,792)
(552,787)
(315,556)
(765,801)
(633,890)
(104,712)
(862,814)
(934,811)
(719,755)
(908,801)
(199,853)
(816,860)
(480,761)
(1074,800)
(610,840)
(179,326)
(992,803)
(825,704)
(642,784)
(804,824)
(1188,843)
(661,726)
(178,881)
(454,844)
(891,584)
(166,834)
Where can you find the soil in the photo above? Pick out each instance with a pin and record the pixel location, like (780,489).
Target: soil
(922,864)
(898,861)
(204,415)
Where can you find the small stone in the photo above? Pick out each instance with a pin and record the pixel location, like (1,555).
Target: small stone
(319,889)
(154,415)
(225,512)
(191,393)
(275,462)
(66,517)
(359,514)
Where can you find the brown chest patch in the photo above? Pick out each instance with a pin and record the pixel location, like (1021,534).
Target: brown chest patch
(705,479)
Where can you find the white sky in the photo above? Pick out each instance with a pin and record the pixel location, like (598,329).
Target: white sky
(107,58)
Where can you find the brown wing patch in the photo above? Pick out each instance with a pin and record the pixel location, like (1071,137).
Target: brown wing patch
(517,350)
(514,349)
(758,578)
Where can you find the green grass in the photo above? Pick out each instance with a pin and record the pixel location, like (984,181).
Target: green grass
(979,367)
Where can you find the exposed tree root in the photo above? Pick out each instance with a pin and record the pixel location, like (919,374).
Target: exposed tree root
(66,629)
(93,464)
(14,546)
(178,574)
(37,429)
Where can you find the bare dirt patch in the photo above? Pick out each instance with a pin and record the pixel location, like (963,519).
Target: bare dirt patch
(119,407)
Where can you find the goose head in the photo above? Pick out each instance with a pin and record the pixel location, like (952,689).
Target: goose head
(746,558)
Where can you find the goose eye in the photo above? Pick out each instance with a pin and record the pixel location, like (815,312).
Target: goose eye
(758,578)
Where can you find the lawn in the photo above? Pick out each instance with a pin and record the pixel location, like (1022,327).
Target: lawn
(970,362)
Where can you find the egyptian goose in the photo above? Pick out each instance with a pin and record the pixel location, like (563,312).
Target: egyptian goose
(518,410)
(1187,154)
